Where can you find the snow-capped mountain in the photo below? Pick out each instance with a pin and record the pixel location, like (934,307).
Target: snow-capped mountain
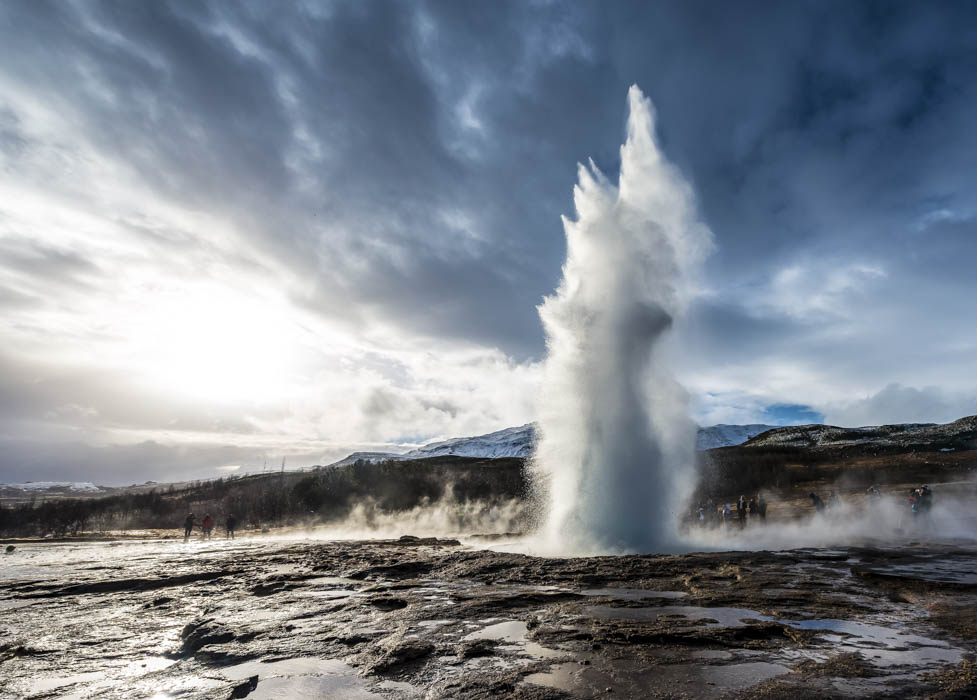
(511,442)
(518,442)
(55,485)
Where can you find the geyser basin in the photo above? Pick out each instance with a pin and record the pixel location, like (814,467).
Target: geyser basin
(616,444)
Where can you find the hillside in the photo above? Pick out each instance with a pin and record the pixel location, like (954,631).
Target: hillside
(960,434)
(808,457)
(326,495)
(724,435)
(519,441)
(785,461)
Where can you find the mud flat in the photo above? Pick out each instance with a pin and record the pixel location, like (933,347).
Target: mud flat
(426,618)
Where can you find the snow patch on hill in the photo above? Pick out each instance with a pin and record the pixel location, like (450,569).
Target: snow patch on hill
(511,442)
(86,486)
(518,442)
(959,433)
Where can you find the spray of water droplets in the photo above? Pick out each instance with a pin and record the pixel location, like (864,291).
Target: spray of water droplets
(616,445)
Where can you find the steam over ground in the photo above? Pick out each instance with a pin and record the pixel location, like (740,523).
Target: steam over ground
(854,520)
(616,443)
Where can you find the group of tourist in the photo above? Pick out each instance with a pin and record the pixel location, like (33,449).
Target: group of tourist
(207,526)
(735,514)
(920,499)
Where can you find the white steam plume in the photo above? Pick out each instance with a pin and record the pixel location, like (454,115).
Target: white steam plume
(616,444)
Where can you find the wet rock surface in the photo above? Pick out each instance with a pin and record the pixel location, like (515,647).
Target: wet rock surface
(428,618)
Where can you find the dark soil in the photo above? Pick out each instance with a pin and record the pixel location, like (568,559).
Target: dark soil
(432,618)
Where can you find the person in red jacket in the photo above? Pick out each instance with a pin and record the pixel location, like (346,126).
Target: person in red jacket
(207,525)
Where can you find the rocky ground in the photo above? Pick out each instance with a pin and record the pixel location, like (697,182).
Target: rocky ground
(278,617)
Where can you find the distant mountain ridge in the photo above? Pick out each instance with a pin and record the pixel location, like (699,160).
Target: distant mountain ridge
(510,442)
(960,434)
(54,486)
(518,442)
(723,435)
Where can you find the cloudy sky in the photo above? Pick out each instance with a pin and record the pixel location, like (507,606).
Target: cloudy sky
(235,231)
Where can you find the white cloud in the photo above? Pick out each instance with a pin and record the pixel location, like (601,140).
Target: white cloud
(819,291)
(902,404)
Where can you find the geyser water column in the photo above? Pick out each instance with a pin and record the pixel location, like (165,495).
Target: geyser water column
(616,445)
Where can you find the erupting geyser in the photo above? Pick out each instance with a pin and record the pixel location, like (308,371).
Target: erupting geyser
(616,444)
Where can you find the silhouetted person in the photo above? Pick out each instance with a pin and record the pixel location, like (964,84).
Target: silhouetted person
(914,501)
(741,510)
(231,525)
(925,499)
(752,508)
(816,502)
(761,505)
(188,526)
(207,525)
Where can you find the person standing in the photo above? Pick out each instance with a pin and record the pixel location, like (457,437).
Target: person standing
(231,526)
(188,526)
(208,525)
(816,501)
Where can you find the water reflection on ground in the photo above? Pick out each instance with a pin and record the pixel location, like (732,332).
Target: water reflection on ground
(297,617)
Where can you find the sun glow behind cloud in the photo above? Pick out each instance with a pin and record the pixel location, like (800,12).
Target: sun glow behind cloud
(208,342)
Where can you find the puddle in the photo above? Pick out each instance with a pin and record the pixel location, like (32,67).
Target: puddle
(941,571)
(512,631)
(515,633)
(329,595)
(333,581)
(689,680)
(566,677)
(724,617)
(632,593)
(348,687)
(305,665)
(880,645)
(44,685)
(149,664)
(303,677)
(883,646)
(435,623)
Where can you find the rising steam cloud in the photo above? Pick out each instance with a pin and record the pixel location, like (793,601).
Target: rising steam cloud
(616,444)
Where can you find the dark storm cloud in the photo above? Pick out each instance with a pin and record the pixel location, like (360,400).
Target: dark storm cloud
(407,163)
(332,132)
